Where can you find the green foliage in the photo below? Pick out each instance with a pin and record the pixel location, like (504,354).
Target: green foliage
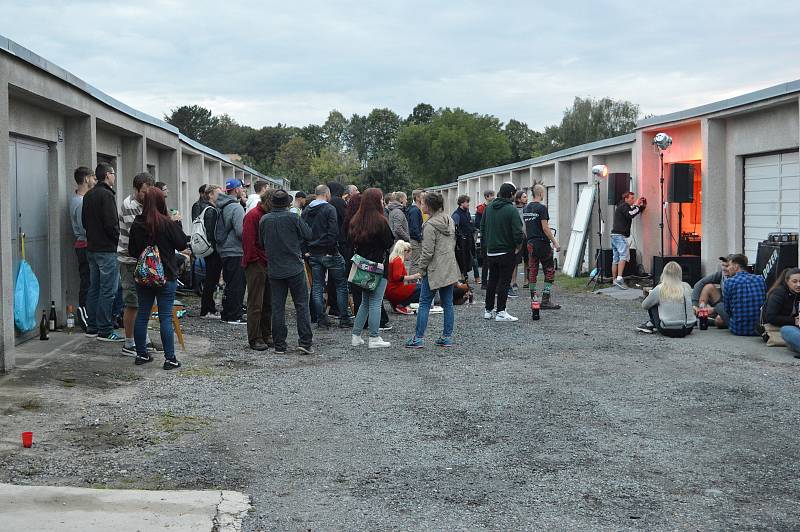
(192,120)
(422,114)
(333,165)
(522,140)
(589,120)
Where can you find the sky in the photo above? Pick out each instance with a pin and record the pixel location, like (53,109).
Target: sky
(292,62)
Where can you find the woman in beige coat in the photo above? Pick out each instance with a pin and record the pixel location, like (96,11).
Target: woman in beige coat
(438,269)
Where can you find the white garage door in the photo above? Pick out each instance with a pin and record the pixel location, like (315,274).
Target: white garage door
(771,197)
(552,207)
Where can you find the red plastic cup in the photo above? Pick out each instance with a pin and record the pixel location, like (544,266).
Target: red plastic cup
(27,439)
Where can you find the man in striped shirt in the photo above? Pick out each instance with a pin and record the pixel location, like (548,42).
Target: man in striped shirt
(131,208)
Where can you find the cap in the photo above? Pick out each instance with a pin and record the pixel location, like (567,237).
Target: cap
(232,183)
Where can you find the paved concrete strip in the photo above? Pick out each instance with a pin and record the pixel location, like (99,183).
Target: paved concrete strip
(34,508)
(631,294)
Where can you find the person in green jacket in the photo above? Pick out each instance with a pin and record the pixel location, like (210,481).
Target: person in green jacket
(501,230)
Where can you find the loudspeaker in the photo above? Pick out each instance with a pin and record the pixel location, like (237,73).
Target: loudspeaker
(681,183)
(690,264)
(631,267)
(773,258)
(618,184)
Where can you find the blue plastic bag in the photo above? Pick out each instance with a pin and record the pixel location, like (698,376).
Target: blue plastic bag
(26,298)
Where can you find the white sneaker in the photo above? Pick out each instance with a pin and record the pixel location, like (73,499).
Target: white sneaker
(356,341)
(436,309)
(488,314)
(505,316)
(377,342)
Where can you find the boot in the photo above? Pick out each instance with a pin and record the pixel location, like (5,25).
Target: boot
(547,304)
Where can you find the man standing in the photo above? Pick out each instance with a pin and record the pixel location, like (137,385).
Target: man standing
(254,199)
(324,256)
(99,217)
(229,246)
(284,235)
(744,296)
(208,307)
(501,228)
(398,222)
(85,180)
(414,215)
(200,204)
(465,232)
(488,196)
(254,262)
(540,238)
(299,203)
(625,212)
(131,208)
(520,201)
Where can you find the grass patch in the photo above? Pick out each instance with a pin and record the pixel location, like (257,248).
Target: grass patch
(175,424)
(34,404)
(574,285)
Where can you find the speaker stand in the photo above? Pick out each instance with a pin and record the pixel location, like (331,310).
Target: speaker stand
(663,205)
(598,276)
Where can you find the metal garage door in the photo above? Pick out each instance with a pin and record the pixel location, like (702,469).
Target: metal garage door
(771,197)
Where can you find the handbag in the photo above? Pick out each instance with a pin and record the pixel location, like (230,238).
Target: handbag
(149,270)
(365,273)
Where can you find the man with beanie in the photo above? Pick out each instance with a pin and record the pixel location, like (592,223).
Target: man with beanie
(284,234)
(501,230)
(229,246)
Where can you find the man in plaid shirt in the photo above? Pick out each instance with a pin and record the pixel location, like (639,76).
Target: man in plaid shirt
(744,296)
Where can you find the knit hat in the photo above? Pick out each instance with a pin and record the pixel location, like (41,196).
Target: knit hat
(281,198)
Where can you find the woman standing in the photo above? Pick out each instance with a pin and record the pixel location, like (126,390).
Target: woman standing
(670,305)
(154,227)
(439,270)
(372,239)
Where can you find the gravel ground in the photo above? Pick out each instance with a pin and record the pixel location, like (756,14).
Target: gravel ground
(572,422)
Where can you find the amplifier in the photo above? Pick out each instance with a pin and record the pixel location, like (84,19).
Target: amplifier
(690,264)
(782,237)
(773,258)
(631,267)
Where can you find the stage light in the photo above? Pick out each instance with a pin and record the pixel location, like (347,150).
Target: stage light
(662,141)
(600,170)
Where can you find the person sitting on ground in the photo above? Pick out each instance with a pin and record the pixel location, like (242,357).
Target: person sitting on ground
(670,305)
(402,288)
(154,226)
(624,213)
(709,293)
(744,295)
(781,311)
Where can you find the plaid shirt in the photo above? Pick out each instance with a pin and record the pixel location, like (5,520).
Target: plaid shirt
(744,296)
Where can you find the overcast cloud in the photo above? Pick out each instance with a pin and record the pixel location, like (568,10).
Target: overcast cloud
(292,62)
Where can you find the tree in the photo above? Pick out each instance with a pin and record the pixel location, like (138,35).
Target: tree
(314,137)
(293,160)
(521,139)
(263,144)
(357,137)
(226,136)
(334,130)
(422,114)
(589,120)
(192,120)
(382,128)
(335,165)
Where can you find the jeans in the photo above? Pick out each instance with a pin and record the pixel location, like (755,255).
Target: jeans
(425,301)
(103,285)
(334,266)
(371,303)
(356,292)
(791,335)
(233,297)
(619,249)
(259,303)
(210,283)
(83,272)
(166,299)
(298,287)
(475,273)
(501,268)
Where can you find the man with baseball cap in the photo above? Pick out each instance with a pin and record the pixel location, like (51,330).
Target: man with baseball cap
(229,246)
(710,292)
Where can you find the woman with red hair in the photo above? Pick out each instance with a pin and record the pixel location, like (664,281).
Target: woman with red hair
(155,228)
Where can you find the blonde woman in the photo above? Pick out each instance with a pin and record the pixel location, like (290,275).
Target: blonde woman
(670,305)
(402,288)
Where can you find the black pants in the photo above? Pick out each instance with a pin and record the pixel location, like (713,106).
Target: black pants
(83,271)
(671,333)
(213,271)
(233,297)
(501,268)
(298,287)
(484,266)
(464,256)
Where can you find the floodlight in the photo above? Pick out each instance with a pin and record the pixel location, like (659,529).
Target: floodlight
(662,141)
(600,170)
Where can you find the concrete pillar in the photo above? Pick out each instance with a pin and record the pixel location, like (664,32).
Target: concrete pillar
(717,215)
(7,351)
(168,173)
(565,209)
(648,171)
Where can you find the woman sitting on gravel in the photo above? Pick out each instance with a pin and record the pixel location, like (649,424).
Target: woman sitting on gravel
(154,227)
(779,314)
(402,289)
(670,305)
(439,269)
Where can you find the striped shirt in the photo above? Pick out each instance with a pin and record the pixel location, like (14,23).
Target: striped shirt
(128,212)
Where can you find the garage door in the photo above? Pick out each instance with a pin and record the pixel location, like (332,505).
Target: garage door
(771,197)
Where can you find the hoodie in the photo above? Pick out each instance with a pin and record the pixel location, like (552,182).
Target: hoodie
(501,227)
(397,221)
(228,232)
(322,219)
(437,259)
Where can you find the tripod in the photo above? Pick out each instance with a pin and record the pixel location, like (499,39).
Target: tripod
(598,268)
(663,205)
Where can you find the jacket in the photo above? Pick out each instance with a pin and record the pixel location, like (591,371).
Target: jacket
(437,258)
(377,248)
(228,230)
(414,216)
(396,290)
(781,307)
(321,217)
(673,314)
(99,217)
(169,238)
(252,248)
(284,234)
(623,216)
(463,221)
(501,227)
(337,189)
(479,215)
(398,222)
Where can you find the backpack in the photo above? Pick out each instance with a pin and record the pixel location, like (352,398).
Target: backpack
(201,242)
(149,270)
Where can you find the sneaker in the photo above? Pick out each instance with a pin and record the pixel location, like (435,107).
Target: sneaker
(400,309)
(356,341)
(386,327)
(512,292)
(346,323)
(171,364)
(436,309)
(505,316)
(280,350)
(240,321)
(83,319)
(89,334)
(488,314)
(619,283)
(258,345)
(415,343)
(111,337)
(129,351)
(323,324)
(210,316)
(443,341)
(143,360)
(646,327)
(378,342)
(305,349)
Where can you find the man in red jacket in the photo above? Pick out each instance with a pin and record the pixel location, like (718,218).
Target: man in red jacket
(254,262)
